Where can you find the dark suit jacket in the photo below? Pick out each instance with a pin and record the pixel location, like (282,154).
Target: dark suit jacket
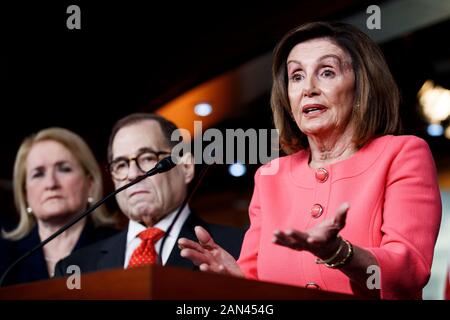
(34,267)
(110,253)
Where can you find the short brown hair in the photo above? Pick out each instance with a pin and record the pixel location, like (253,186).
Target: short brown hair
(376,93)
(167,128)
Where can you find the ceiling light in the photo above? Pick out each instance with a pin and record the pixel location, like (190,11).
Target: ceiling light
(447,132)
(203,109)
(237,169)
(435,130)
(434,101)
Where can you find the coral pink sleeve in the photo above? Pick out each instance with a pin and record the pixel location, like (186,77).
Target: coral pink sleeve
(411,219)
(250,246)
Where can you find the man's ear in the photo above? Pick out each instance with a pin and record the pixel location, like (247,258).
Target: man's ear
(188,166)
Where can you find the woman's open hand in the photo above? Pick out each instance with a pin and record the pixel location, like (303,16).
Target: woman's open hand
(208,255)
(321,240)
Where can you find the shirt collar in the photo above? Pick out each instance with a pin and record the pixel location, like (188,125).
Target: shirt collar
(135,227)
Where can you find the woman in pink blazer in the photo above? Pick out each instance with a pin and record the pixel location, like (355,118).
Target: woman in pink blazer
(353,208)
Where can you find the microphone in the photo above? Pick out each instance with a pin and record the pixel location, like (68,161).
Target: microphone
(162,166)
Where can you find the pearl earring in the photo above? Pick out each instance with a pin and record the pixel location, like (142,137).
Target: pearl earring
(29,210)
(90,200)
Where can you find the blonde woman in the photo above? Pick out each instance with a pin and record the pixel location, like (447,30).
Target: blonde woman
(56,176)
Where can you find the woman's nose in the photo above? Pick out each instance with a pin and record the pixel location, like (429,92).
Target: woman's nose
(51,181)
(310,87)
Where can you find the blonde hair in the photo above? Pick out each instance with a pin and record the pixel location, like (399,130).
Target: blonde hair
(82,153)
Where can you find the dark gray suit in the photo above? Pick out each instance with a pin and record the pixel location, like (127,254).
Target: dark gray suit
(110,253)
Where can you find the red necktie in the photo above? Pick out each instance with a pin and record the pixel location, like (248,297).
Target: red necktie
(145,253)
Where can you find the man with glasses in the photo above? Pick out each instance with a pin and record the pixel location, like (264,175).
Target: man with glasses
(136,144)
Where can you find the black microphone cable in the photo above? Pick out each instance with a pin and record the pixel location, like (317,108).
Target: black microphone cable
(185,202)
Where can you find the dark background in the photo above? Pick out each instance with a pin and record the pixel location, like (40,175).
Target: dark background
(131,57)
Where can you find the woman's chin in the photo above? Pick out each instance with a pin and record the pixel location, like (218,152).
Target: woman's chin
(315,130)
(55,217)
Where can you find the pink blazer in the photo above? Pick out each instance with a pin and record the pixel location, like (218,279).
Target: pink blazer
(395,213)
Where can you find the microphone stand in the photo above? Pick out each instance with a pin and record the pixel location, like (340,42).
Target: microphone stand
(162,166)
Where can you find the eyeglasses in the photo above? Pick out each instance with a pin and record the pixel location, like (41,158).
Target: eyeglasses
(145,161)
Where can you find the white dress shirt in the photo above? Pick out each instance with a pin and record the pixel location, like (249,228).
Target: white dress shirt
(134,228)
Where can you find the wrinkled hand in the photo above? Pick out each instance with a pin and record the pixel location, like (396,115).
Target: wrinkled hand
(320,240)
(208,255)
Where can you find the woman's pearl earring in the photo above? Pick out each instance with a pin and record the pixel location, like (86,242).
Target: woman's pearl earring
(29,210)
(90,200)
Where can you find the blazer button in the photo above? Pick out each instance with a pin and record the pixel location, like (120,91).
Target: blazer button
(316,210)
(312,285)
(321,175)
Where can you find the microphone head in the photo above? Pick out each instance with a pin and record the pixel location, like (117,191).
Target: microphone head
(165,164)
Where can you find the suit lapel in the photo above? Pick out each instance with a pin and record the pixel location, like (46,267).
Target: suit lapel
(187,231)
(35,262)
(112,252)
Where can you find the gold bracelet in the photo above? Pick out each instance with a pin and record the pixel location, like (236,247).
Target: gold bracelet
(338,251)
(345,260)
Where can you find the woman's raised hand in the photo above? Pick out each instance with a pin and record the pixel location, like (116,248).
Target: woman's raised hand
(208,255)
(321,240)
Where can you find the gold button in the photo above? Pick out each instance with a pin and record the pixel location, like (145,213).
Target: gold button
(312,285)
(321,175)
(316,210)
